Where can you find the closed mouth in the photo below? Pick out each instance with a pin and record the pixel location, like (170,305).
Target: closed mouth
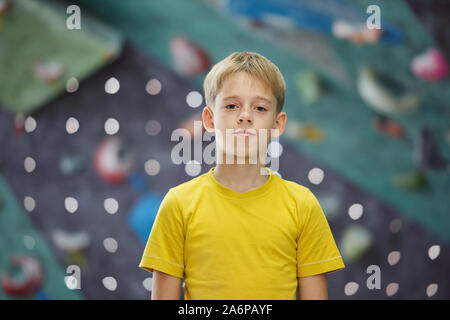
(244,133)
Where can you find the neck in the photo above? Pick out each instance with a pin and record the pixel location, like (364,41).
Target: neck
(240,177)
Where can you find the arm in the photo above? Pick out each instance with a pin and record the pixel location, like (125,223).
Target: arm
(165,286)
(313,287)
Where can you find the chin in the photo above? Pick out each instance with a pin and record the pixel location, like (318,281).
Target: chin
(243,156)
(244,152)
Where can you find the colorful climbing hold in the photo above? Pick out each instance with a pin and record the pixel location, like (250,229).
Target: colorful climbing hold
(430,65)
(308,132)
(188,58)
(355,242)
(389,127)
(113,161)
(48,71)
(143,214)
(355,32)
(414,180)
(308,83)
(70,241)
(23,276)
(382,97)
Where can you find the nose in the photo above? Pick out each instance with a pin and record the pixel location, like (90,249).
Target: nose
(245,116)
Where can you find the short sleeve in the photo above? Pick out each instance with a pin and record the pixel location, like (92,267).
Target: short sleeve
(164,250)
(316,249)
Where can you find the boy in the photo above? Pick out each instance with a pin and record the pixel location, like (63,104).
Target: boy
(240,231)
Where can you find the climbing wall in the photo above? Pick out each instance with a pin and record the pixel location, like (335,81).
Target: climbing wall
(48,161)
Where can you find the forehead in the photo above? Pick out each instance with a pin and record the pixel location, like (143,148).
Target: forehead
(243,85)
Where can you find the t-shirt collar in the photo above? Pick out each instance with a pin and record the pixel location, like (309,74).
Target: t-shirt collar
(240,195)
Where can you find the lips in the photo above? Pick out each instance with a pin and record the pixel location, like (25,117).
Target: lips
(244,132)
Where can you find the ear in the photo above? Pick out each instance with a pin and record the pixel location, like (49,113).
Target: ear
(208,119)
(280,124)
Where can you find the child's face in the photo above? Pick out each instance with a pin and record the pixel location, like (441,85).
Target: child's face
(244,102)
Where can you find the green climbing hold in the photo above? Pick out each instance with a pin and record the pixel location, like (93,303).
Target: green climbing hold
(308,83)
(414,180)
(355,242)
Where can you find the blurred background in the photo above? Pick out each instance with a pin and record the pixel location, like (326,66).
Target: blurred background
(91,91)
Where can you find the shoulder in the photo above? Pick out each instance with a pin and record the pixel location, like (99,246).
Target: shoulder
(301,196)
(295,190)
(189,189)
(306,202)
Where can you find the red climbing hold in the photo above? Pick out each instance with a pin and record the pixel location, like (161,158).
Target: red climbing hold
(188,58)
(389,127)
(28,281)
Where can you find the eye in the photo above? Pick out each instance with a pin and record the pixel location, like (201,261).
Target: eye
(261,108)
(230,105)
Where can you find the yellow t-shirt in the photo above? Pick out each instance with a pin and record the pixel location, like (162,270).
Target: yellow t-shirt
(230,245)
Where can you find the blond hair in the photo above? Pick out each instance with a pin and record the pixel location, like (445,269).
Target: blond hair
(253,64)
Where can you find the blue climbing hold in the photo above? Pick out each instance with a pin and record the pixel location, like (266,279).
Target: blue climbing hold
(143,214)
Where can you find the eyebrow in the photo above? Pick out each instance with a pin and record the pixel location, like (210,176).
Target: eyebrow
(257,97)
